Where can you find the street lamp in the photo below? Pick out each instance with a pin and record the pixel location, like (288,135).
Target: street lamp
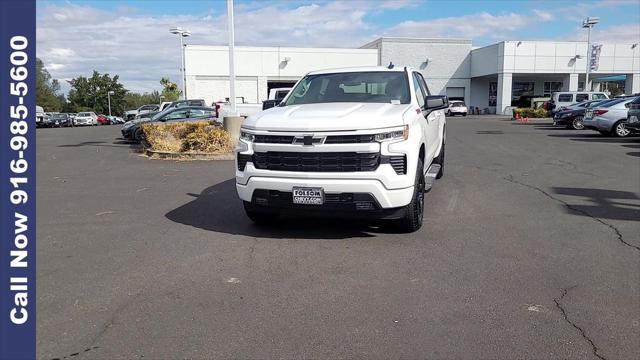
(109,93)
(183,33)
(588,24)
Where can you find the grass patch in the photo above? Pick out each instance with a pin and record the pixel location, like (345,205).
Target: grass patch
(188,137)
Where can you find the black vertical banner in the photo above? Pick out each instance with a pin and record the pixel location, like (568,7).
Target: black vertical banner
(18,179)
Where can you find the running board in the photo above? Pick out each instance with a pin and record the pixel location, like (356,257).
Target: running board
(430,176)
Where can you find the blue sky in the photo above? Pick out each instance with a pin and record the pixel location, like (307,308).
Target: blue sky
(131,38)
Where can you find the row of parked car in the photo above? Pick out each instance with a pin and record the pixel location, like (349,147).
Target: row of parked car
(612,117)
(55,119)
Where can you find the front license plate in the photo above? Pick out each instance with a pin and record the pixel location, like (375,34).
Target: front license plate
(308,196)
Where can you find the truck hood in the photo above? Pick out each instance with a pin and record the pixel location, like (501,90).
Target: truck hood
(328,117)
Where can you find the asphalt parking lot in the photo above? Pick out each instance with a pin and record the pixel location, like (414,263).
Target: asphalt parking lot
(530,249)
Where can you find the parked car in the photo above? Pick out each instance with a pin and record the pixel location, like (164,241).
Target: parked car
(633,115)
(561,99)
(364,142)
(129,115)
(86,118)
(103,120)
(40,116)
(457,107)
(132,130)
(114,120)
(276,95)
(610,118)
(60,120)
(571,117)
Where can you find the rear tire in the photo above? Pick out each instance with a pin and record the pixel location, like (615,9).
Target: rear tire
(620,129)
(258,217)
(576,123)
(414,211)
(464,114)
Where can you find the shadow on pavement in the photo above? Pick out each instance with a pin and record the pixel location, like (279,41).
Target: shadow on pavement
(605,204)
(597,138)
(217,208)
(117,143)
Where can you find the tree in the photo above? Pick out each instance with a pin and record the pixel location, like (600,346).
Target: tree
(92,93)
(47,89)
(135,100)
(170,90)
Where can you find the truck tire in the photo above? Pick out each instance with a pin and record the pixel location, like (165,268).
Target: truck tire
(258,217)
(414,211)
(440,161)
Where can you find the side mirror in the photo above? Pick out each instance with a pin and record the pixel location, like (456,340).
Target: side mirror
(435,102)
(628,105)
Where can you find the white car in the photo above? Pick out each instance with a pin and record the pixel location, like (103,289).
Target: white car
(364,142)
(457,107)
(86,118)
(610,118)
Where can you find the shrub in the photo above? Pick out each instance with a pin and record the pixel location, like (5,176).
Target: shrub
(200,136)
(532,113)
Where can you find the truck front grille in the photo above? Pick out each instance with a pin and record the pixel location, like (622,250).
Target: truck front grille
(316,161)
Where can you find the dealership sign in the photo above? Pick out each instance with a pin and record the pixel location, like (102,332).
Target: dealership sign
(594,61)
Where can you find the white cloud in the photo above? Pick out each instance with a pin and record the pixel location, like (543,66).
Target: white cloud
(543,15)
(139,48)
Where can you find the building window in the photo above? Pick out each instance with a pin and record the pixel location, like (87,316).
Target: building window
(580,85)
(551,86)
(522,93)
(493,93)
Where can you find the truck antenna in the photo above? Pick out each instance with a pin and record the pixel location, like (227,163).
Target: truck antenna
(390,66)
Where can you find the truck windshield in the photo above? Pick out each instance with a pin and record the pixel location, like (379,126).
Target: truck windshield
(369,87)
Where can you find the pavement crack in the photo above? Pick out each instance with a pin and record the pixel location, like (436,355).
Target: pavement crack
(574,209)
(584,335)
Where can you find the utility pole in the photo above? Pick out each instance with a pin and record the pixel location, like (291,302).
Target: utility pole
(232,69)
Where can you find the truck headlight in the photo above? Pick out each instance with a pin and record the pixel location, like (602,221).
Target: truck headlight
(394,135)
(246,136)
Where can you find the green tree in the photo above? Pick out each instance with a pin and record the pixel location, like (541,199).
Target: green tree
(92,92)
(47,89)
(135,100)
(170,90)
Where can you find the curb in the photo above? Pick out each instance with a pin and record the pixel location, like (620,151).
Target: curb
(187,156)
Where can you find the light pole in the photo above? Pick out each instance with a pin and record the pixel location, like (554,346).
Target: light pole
(109,93)
(183,33)
(588,24)
(232,67)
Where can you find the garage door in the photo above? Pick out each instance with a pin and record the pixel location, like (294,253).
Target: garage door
(455,93)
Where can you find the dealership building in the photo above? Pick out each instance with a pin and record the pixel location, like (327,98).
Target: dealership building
(491,78)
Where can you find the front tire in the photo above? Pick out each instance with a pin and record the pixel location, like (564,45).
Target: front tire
(258,217)
(464,114)
(620,129)
(414,211)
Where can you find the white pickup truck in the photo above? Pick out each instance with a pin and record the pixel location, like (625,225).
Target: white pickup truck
(364,142)
(223,108)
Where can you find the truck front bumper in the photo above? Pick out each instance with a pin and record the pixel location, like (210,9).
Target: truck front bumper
(383,198)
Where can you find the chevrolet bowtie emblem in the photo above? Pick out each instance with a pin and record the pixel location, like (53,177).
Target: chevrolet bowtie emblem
(307,140)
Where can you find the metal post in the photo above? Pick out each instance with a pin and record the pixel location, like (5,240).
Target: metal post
(109,100)
(232,70)
(586,81)
(184,76)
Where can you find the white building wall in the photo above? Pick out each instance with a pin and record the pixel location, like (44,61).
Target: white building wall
(207,67)
(443,62)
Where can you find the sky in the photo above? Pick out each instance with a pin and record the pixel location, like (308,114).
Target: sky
(132,39)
